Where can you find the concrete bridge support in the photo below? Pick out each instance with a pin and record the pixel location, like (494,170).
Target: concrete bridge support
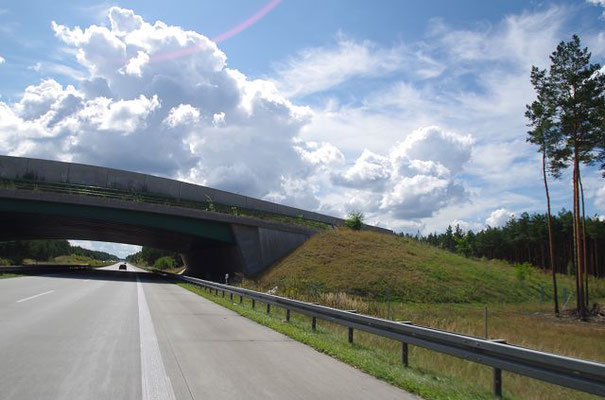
(255,249)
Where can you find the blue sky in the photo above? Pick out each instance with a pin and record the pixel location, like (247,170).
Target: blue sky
(411,111)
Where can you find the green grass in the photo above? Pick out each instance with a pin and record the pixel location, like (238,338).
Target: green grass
(373,265)
(3,275)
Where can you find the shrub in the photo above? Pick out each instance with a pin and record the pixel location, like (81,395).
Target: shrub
(164,263)
(354,220)
(5,263)
(211,206)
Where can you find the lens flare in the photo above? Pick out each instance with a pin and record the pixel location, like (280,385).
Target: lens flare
(254,18)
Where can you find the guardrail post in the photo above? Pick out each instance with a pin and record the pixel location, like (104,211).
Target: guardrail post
(405,351)
(253,303)
(223,293)
(485,321)
(497,376)
(497,383)
(313,324)
(350,335)
(404,354)
(287,315)
(268,308)
(241,299)
(231,296)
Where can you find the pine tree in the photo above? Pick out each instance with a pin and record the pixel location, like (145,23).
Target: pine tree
(541,136)
(573,106)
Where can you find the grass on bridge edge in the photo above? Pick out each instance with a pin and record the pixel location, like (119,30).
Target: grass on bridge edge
(369,360)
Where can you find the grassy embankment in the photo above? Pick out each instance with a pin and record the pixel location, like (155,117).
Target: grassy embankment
(431,287)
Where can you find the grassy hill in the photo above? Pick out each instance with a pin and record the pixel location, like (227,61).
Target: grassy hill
(371,265)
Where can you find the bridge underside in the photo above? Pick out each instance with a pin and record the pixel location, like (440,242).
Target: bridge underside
(209,249)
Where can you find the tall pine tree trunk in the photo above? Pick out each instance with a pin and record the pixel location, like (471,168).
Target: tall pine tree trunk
(574,247)
(550,239)
(578,242)
(595,256)
(584,243)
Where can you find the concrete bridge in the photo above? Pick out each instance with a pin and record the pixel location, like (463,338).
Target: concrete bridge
(216,232)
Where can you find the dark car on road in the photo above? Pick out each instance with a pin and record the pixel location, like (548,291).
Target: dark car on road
(123,266)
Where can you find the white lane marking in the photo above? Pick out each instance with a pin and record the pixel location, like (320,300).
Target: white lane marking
(33,297)
(155,383)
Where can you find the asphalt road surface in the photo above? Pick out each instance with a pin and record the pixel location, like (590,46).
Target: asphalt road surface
(112,334)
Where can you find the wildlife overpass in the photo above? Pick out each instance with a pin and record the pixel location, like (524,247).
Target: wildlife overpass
(215,231)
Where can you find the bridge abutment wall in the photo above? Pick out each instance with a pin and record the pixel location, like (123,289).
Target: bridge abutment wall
(256,248)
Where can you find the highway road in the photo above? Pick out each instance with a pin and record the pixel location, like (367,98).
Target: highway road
(112,334)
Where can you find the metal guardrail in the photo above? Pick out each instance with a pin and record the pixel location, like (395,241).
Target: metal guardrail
(587,376)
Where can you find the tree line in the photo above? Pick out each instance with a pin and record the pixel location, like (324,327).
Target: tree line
(149,256)
(525,240)
(46,250)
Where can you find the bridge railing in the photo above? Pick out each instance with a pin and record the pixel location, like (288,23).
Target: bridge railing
(153,198)
(48,171)
(583,375)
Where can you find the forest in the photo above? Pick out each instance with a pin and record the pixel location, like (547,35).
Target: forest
(525,239)
(45,250)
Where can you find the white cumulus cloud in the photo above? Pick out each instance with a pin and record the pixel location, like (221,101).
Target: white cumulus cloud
(161,99)
(498,218)
(183,114)
(415,179)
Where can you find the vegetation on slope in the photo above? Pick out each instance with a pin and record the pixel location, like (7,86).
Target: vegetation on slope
(374,265)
